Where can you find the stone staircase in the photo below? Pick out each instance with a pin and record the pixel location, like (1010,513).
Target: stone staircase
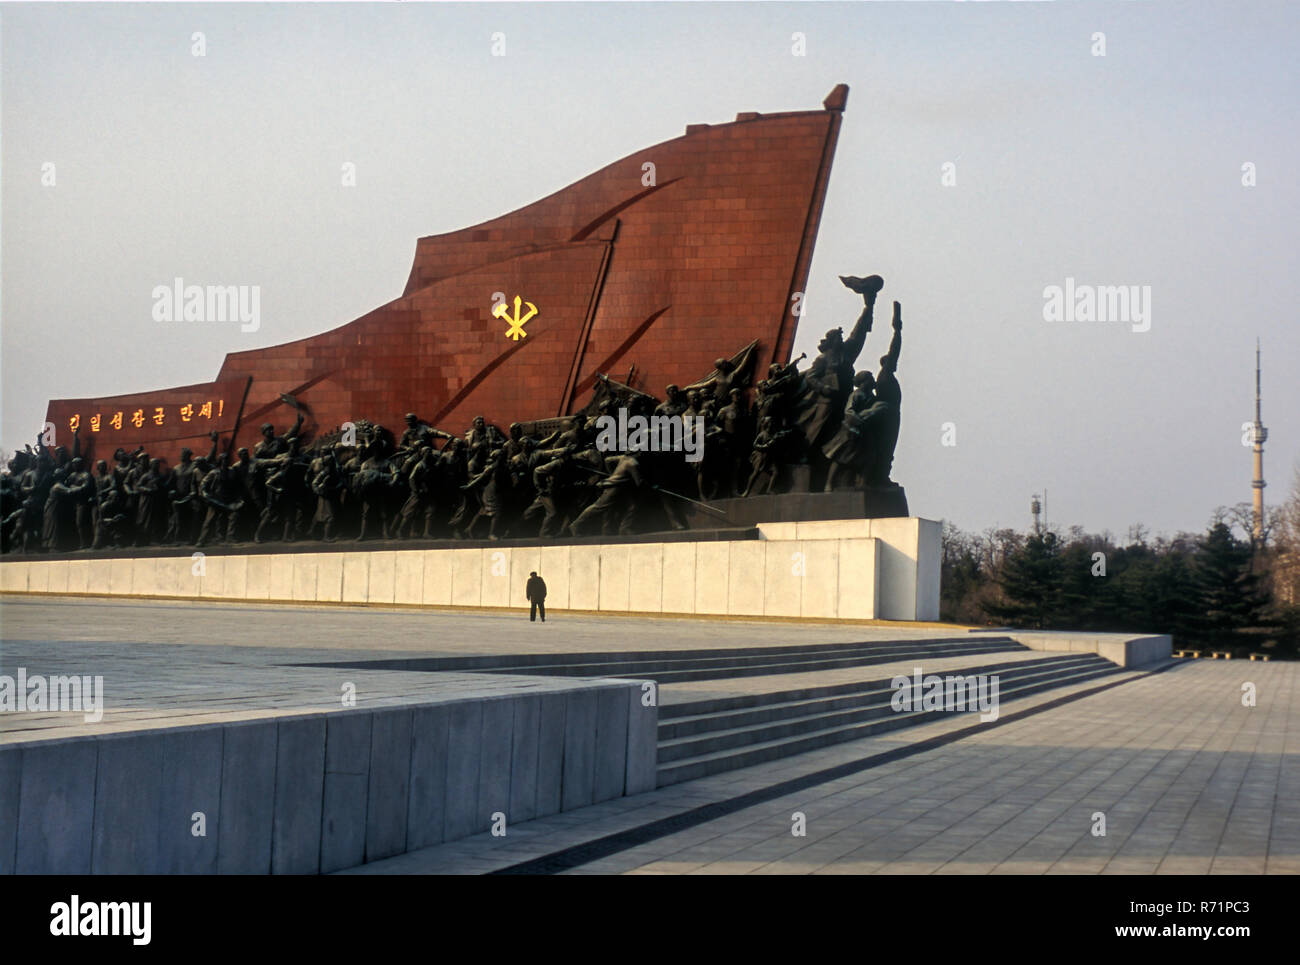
(731,727)
(698,738)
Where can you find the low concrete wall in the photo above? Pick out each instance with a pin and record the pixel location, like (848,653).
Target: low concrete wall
(884,569)
(302,794)
(909,558)
(1124,649)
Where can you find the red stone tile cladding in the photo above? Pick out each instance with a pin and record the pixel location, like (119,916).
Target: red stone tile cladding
(716,246)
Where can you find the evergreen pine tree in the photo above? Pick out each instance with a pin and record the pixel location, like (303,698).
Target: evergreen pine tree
(1154,593)
(1226,595)
(1031,582)
(1086,601)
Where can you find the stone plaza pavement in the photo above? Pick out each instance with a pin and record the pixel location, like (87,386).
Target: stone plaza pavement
(152,679)
(1189,781)
(446,632)
(168,663)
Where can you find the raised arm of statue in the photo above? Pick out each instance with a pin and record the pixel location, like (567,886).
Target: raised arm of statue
(895,343)
(868,288)
(858,337)
(744,368)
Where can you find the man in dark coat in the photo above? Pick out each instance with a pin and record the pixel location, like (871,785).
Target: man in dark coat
(536,593)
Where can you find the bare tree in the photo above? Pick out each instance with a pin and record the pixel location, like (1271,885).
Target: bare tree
(1285,522)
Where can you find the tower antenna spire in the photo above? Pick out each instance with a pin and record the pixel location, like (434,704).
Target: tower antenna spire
(1257,381)
(1260,435)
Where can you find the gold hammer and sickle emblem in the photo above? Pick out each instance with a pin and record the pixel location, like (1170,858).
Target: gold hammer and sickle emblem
(516,329)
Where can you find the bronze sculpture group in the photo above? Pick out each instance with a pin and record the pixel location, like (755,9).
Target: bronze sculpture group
(826,427)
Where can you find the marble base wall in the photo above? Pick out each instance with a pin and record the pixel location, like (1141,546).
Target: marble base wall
(862,569)
(909,557)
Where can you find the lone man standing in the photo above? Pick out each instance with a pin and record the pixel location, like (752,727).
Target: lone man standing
(536,593)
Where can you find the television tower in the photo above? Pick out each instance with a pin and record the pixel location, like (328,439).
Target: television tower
(1260,435)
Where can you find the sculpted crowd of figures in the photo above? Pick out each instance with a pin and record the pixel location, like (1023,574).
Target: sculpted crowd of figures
(428,483)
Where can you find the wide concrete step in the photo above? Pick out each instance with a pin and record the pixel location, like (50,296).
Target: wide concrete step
(699,717)
(834,731)
(728,669)
(686,665)
(504,660)
(810,716)
(715,705)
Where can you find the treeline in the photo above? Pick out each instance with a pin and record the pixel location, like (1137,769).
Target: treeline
(1222,589)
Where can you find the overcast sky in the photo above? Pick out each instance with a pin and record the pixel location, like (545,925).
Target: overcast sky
(1123,169)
